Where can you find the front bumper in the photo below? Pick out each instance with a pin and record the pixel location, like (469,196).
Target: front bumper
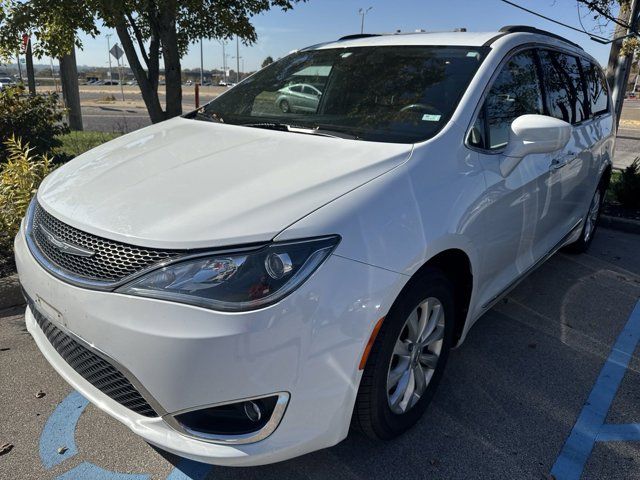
(308,345)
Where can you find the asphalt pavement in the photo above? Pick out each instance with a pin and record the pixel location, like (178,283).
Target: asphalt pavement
(506,408)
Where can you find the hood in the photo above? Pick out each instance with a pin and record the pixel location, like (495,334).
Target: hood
(193,184)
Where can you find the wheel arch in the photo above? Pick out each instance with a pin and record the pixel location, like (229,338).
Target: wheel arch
(456,265)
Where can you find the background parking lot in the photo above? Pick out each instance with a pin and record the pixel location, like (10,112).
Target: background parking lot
(508,402)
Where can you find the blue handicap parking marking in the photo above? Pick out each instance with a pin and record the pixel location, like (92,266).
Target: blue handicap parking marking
(88,470)
(189,470)
(590,427)
(59,431)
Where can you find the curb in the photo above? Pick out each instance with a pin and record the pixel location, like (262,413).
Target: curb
(622,224)
(10,292)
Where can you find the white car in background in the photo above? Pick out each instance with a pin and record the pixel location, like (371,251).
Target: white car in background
(241,284)
(299,97)
(6,82)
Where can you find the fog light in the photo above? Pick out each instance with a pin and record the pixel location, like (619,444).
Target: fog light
(247,421)
(252,411)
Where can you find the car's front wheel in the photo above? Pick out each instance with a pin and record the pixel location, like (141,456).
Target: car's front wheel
(284,106)
(408,358)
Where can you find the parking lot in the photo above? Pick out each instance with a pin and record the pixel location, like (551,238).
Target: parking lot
(510,399)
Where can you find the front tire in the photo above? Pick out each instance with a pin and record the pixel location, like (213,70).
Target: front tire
(408,358)
(590,223)
(285,107)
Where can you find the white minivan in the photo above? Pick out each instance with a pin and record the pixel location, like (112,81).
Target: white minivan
(242,284)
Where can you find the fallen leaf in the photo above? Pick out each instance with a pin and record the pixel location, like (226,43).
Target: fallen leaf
(5,448)
(61,450)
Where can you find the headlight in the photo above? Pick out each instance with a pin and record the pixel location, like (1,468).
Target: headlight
(236,281)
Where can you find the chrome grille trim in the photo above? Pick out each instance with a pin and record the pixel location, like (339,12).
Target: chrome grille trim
(112,262)
(97,368)
(97,284)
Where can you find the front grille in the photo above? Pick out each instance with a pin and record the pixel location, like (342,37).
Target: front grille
(111,262)
(93,368)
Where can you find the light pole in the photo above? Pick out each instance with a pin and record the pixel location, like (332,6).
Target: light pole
(224,61)
(362,12)
(237,59)
(19,67)
(108,35)
(201,65)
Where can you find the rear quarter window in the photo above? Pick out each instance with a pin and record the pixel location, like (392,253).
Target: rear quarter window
(597,89)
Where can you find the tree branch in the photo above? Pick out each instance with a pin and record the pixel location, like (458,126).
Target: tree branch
(139,38)
(593,6)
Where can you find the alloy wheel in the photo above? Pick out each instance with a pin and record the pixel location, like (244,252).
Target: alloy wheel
(415,355)
(592,216)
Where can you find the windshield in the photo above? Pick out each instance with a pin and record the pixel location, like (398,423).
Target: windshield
(394,94)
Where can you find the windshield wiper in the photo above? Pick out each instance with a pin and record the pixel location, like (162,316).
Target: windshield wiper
(207,117)
(317,130)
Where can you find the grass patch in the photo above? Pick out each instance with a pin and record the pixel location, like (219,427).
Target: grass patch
(76,143)
(615,178)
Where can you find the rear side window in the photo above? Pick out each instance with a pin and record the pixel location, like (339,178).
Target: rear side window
(515,92)
(563,86)
(597,88)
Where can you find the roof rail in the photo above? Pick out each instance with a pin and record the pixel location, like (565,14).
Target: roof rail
(527,29)
(359,35)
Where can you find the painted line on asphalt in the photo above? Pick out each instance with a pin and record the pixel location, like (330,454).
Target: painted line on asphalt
(619,433)
(90,471)
(59,431)
(590,426)
(190,470)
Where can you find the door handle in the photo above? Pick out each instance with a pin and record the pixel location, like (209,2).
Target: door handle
(559,162)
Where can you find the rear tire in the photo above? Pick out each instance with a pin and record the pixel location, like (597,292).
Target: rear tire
(378,413)
(590,223)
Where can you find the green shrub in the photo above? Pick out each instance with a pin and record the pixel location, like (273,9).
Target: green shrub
(627,187)
(77,142)
(37,120)
(20,177)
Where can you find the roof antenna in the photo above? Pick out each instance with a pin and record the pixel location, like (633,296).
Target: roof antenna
(461,29)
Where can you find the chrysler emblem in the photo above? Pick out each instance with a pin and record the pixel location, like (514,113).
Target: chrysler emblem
(65,247)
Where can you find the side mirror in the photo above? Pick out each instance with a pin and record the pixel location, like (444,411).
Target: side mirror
(533,134)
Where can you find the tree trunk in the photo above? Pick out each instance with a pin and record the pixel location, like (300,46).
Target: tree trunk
(148,84)
(172,68)
(70,89)
(31,77)
(620,66)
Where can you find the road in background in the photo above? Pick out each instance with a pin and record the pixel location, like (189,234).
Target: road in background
(507,403)
(628,141)
(104,110)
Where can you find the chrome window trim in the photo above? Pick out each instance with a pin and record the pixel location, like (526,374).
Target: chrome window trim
(508,56)
(88,283)
(243,439)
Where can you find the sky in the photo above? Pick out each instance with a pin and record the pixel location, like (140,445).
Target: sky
(321,20)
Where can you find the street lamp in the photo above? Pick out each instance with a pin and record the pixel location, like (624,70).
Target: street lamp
(201,64)
(362,12)
(224,60)
(108,35)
